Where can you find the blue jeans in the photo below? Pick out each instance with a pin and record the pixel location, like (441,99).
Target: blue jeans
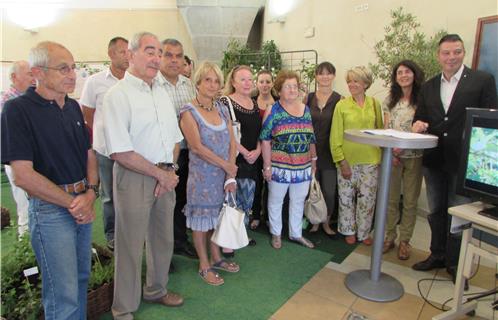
(63,251)
(105,174)
(441,194)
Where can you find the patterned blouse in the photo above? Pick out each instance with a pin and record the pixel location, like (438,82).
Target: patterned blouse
(401,118)
(290,144)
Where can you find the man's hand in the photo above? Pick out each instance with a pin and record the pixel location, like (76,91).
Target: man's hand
(420,126)
(81,207)
(166,182)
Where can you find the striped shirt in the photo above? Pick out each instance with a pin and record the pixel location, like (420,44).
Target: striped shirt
(290,144)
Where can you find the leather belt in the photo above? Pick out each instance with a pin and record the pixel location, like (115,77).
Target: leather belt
(77,187)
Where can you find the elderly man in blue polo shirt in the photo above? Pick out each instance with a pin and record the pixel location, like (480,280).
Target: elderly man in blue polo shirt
(45,141)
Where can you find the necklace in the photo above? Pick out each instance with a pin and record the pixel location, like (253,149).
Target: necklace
(209,108)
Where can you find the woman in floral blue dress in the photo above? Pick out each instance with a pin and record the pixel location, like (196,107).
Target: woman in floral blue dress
(207,129)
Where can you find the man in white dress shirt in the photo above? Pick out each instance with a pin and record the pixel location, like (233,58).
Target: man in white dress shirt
(142,137)
(91,99)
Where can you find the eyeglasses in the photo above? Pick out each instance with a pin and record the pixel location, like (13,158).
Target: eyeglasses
(64,70)
(291,86)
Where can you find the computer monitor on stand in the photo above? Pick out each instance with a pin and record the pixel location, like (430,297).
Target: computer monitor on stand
(478,173)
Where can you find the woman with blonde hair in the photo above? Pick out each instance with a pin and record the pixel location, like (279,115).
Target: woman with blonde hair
(240,104)
(207,128)
(357,163)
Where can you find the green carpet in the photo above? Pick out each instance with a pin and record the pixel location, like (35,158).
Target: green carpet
(268,277)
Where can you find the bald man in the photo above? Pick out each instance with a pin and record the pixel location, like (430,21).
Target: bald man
(21,79)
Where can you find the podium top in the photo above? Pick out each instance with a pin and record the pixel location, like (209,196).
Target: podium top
(425,141)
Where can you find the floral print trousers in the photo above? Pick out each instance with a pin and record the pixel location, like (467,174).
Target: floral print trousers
(357,200)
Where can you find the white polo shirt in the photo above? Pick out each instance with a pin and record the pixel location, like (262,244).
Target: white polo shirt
(92,96)
(140,118)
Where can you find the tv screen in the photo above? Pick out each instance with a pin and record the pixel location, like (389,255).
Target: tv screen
(478,174)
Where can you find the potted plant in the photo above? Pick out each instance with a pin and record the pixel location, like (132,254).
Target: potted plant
(21,296)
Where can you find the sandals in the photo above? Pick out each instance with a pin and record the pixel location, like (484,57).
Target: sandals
(254,224)
(350,239)
(303,241)
(204,275)
(276,242)
(314,228)
(404,250)
(225,265)
(368,241)
(388,245)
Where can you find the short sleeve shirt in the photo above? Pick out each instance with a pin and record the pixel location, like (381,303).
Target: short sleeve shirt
(55,139)
(141,118)
(290,144)
(92,96)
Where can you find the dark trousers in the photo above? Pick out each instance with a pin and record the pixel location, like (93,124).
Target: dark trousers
(260,202)
(441,194)
(180,221)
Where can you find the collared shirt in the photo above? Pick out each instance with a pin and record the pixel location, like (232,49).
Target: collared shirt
(55,139)
(448,88)
(140,118)
(8,94)
(92,96)
(349,115)
(181,94)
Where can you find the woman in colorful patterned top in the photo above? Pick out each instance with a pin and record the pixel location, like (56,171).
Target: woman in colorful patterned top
(289,157)
(358,163)
(399,109)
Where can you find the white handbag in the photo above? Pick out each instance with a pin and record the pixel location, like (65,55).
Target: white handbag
(235,123)
(231,231)
(315,208)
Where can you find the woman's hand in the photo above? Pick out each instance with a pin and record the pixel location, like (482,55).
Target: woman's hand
(252,156)
(230,169)
(267,173)
(313,167)
(345,169)
(231,187)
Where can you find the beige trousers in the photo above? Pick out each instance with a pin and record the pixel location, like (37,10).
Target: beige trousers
(408,173)
(141,218)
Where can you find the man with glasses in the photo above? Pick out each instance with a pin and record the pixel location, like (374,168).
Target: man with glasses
(92,98)
(142,136)
(21,79)
(45,140)
(181,91)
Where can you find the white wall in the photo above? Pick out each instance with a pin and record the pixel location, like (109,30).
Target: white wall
(346,38)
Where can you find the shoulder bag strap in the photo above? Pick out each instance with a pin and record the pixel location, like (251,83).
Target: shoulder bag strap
(232,113)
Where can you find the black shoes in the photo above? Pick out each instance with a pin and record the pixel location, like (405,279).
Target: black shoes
(186,250)
(430,263)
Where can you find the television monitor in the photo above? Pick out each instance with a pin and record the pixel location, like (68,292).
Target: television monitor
(478,173)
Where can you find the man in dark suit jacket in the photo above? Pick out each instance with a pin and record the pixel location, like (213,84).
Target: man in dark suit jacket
(441,112)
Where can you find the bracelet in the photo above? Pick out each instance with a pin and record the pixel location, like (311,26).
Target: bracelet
(267,168)
(314,158)
(228,181)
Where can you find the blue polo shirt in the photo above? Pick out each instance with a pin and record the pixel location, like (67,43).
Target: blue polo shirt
(55,139)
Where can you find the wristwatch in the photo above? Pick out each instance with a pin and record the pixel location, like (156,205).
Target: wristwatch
(95,189)
(173,166)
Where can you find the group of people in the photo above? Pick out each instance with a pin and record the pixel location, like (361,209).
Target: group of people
(165,150)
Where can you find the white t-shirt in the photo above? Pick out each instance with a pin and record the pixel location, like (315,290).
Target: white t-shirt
(92,96)
(140,118)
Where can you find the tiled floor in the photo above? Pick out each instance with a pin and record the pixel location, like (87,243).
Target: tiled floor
(326,297)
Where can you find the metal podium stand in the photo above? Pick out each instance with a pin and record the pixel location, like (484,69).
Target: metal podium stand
(372,284)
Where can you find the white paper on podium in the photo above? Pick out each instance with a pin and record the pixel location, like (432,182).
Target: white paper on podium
(395,133)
